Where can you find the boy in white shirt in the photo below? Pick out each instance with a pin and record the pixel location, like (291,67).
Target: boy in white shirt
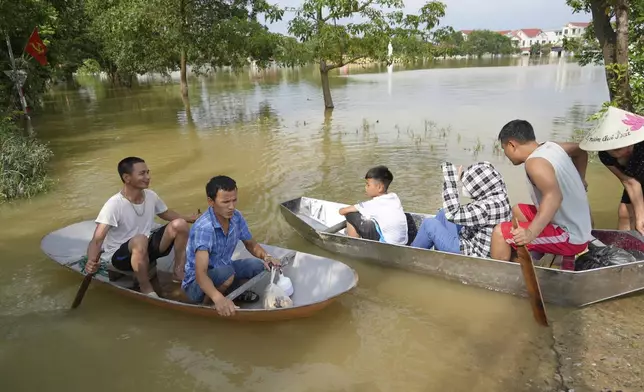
(382,218)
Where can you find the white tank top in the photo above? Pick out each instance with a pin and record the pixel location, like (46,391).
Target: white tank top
(574,213)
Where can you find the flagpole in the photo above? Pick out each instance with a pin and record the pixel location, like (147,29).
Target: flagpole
(23,101)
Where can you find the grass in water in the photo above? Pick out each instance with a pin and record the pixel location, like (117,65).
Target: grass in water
(23,163)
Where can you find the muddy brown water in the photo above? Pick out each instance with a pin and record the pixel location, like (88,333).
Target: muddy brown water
(396,331)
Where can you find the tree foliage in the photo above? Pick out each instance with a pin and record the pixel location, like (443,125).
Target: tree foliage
(480,42)
(140,36)
(340,32)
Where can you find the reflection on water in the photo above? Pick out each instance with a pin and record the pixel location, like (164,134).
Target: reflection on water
(268,131)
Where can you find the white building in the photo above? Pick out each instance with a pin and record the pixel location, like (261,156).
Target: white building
(574,29)
(554,36)
(528,37)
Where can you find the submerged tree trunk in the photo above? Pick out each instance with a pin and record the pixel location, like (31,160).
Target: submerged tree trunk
(621,56)
(184,74)
(326,88)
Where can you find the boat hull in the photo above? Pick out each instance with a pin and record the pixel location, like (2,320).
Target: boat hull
(317,281)
(309,217)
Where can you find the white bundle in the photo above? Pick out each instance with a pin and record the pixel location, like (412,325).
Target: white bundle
(274,296)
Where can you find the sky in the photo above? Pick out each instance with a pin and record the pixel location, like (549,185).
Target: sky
(483,14)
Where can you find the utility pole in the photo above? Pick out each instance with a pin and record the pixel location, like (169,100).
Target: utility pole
(18,78)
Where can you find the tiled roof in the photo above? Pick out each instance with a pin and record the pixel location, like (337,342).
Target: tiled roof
(579,24)
(531,33)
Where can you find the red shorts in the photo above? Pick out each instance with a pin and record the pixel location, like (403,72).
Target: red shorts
(553,240)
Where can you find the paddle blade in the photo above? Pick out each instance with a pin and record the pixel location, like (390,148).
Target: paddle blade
(531,283)
(337,227)
(81,291)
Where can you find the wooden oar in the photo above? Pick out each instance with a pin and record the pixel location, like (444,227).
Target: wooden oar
(81,290)
(530,278)
(284,261)
(335,228)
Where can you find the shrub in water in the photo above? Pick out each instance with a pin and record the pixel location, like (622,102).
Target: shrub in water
(23,163)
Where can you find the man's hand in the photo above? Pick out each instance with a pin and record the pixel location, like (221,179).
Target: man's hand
(459,173)
(91,266)
(522,236)
(194,217)
(270,260)
(224,306)
(639,225)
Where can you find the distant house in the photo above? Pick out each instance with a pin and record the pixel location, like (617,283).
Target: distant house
(529,37)
(574,29)
(525,38)
(554,37)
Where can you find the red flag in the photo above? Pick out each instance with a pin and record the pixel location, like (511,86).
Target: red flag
(37,48)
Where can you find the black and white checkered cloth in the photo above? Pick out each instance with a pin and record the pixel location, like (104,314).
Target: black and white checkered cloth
(490,205)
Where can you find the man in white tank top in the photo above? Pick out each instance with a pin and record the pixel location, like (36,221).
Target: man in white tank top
(559,222)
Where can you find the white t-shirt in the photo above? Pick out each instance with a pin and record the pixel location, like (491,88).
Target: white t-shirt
(388,212)
(128,219)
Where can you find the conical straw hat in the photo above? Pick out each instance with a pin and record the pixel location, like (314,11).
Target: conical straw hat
(616,129)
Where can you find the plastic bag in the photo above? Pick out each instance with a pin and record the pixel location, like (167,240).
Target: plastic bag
(274,296)
(603,256)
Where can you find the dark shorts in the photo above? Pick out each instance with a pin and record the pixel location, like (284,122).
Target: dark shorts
(122,258)
(366,228)
(626,199)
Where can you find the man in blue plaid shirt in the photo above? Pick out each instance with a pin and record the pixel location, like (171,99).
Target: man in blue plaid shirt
(210,271)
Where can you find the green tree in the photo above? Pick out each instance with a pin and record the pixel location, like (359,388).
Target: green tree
(546,49)
(480,42)
(448,42)
(333,44)
(141,36)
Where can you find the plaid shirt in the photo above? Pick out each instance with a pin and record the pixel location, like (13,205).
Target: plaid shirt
(207,234)
(490,207)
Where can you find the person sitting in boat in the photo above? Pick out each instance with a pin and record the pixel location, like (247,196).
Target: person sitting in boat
(467,229)
(381,218)
(125,234)
(559,222)
(210,271)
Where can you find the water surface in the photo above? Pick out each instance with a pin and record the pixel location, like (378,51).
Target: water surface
(396,331)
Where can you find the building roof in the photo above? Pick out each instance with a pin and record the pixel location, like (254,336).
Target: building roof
(504,32)
(466,31)
(579,24)
(531,33)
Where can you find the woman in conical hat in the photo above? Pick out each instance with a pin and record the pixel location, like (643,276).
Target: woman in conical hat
(619,138)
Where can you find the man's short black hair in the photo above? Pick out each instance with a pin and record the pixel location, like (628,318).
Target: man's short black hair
(219,183)
(380,173)
(519,130)
(127,165)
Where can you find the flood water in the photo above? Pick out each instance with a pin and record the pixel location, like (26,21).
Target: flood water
(396,331)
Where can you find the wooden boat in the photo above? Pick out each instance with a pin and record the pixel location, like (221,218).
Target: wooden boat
(313,218)
(317,281)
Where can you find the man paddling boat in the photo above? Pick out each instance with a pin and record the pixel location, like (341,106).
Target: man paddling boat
(210,271)
(559,222)
(125,235)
